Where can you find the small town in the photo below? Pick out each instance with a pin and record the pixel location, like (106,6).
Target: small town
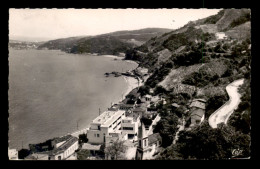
(120,123)
(188,92)
(124,131)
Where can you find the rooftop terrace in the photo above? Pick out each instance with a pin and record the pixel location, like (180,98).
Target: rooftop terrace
(108,117)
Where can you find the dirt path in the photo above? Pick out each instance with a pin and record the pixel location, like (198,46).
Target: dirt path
(223,113)
(181,127)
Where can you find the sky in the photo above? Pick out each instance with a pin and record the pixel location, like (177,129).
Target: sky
(61,23)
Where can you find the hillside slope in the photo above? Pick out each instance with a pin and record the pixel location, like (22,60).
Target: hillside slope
(110,43)
(233,23)
(198,61)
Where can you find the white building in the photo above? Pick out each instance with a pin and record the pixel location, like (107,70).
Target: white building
(12,154)
(106,123)
(130,127)
(64,149)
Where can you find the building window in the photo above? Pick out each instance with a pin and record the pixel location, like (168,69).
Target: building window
(97,135)
(128,128)
(144,142)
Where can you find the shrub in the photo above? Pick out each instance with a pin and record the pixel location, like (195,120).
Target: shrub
(143,90)
(242,19)
(213,19)
(147,121)
(214,103)
(83,138)
(159,90)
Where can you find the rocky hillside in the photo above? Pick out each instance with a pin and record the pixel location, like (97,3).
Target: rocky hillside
(229,23)
(198,61)
(201,53)
(110,43)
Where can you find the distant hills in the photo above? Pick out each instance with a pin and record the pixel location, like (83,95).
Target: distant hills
(17,44)
(29,39)
(110,43)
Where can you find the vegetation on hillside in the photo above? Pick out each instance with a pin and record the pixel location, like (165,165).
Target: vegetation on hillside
(186,38)
(245,17)
(204,142)
(214,18)
(167,126)
(101,45)
(241,118)
(219,64)
(110,43)
(215,102)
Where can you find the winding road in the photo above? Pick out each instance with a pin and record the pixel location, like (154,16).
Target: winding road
(223,113)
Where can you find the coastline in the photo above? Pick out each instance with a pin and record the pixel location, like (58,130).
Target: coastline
(120,58)
(128,83)
(113,56)
(131,82)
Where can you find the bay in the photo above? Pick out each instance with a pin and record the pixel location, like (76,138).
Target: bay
(51,91)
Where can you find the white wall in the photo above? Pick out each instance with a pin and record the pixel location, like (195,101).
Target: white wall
(93,138)
(132,124)
(93,131)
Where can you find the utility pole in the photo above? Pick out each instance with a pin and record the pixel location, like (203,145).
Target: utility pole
(77,125)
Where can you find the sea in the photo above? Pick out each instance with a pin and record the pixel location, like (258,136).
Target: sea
(52,93)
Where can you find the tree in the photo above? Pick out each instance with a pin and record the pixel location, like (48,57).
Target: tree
(203,142)
(83,154)
(115,150)
(159,89)
(146,120)
(214,103)
(83,138)
(143,90)
(241,118)
(167,127)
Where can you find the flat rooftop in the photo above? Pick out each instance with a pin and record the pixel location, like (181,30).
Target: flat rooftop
(108,117)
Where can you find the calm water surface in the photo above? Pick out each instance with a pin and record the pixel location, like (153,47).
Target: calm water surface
(50,91)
